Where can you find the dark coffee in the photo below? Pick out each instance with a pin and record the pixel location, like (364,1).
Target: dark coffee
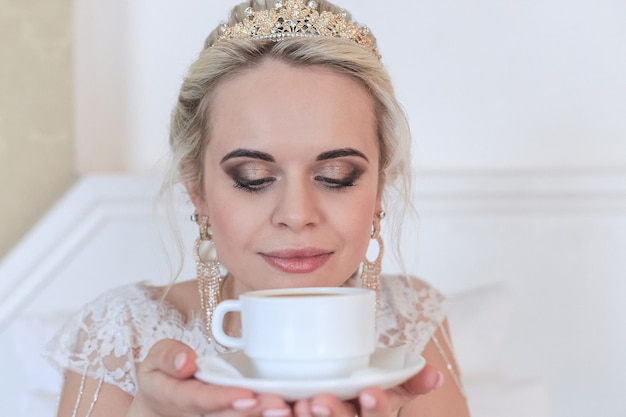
(303,294)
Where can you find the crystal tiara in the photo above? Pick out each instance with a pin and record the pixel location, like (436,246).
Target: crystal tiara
(295,18)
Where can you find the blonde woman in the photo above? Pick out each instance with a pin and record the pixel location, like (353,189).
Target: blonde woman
(289,140)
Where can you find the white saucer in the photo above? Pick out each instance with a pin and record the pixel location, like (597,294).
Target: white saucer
(388,368)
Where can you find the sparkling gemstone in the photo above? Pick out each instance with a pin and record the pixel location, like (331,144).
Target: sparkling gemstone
(313,4)
(249,11)
(278,4)
(365,30)
(223,27)
(293,23)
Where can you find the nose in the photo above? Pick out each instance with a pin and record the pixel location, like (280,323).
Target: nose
(296,205)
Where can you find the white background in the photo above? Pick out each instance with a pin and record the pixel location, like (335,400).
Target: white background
(517,111)
(488,85)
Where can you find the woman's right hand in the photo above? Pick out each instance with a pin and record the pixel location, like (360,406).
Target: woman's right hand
(167,388)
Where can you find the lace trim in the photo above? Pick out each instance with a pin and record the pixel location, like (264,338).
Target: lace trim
(410,312)
(113,334)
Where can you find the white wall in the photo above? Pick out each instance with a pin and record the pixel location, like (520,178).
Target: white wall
(527,95)
(488,85)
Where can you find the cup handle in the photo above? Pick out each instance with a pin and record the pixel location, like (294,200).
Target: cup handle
(217,325)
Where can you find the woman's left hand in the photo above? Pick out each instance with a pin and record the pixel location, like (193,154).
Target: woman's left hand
(372,402)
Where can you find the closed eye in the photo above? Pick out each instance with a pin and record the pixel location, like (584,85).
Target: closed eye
(336,183)
(253,185)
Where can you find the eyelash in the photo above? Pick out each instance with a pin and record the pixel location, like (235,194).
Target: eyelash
(253,186)
(336,184)
(258,185)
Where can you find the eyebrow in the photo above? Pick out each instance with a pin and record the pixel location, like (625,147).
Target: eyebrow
(247,153)
(263,156)
(339,153)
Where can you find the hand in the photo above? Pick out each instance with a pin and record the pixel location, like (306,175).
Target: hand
(372,402)
(167,389)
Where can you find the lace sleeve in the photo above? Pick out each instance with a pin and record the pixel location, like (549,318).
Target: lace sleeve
(111,335)
(410,312)
(98,342)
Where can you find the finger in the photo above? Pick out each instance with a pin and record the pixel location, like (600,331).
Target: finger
(374,402)
(302,408)
(427,380)
(166,381)
(171,357)
(273,406)
(327,405)
(160,391)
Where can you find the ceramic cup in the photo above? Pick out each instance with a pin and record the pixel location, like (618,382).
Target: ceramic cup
(302,333)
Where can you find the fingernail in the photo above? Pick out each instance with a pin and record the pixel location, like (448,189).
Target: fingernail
(277,412)
(367,401)
(320,411)
(244,403)
(179,360)
(440,380)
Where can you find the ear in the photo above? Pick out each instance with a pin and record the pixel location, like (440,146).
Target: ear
(194,189)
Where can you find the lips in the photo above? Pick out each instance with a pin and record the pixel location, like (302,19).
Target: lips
(297,261)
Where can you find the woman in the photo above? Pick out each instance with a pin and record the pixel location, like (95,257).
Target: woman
(288,139)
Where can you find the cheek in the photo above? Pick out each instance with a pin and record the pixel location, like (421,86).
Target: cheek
(234,222)
(356,224)
(363,236)
(226,220)
(229,236)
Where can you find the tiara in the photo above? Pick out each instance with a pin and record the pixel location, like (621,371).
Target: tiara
(295,18)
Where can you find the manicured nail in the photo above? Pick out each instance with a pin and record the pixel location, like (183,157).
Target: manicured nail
(320,411)
(179,360)
(367,401)
(244,403)
(277,412)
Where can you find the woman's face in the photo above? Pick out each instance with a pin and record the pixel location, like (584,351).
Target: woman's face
(291,176)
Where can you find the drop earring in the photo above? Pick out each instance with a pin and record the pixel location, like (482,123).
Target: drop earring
(370,271)
(208,273)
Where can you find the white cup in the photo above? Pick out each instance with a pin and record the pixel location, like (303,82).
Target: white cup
(302,333)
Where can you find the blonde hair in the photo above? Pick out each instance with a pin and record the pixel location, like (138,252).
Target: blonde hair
(190,123)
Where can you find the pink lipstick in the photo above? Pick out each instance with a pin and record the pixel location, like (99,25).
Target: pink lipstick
(297,261)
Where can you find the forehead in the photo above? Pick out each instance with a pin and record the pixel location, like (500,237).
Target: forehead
(277,105)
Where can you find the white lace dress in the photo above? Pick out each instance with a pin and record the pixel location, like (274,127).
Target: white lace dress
(111,335)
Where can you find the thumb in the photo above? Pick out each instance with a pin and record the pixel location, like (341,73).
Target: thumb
(171,357)
(427,380)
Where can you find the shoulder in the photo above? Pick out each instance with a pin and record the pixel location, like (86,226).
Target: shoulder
(112,310)
(410,311)
(400,282)
(406,291)
(119,307)
(125,298)
(103,339)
